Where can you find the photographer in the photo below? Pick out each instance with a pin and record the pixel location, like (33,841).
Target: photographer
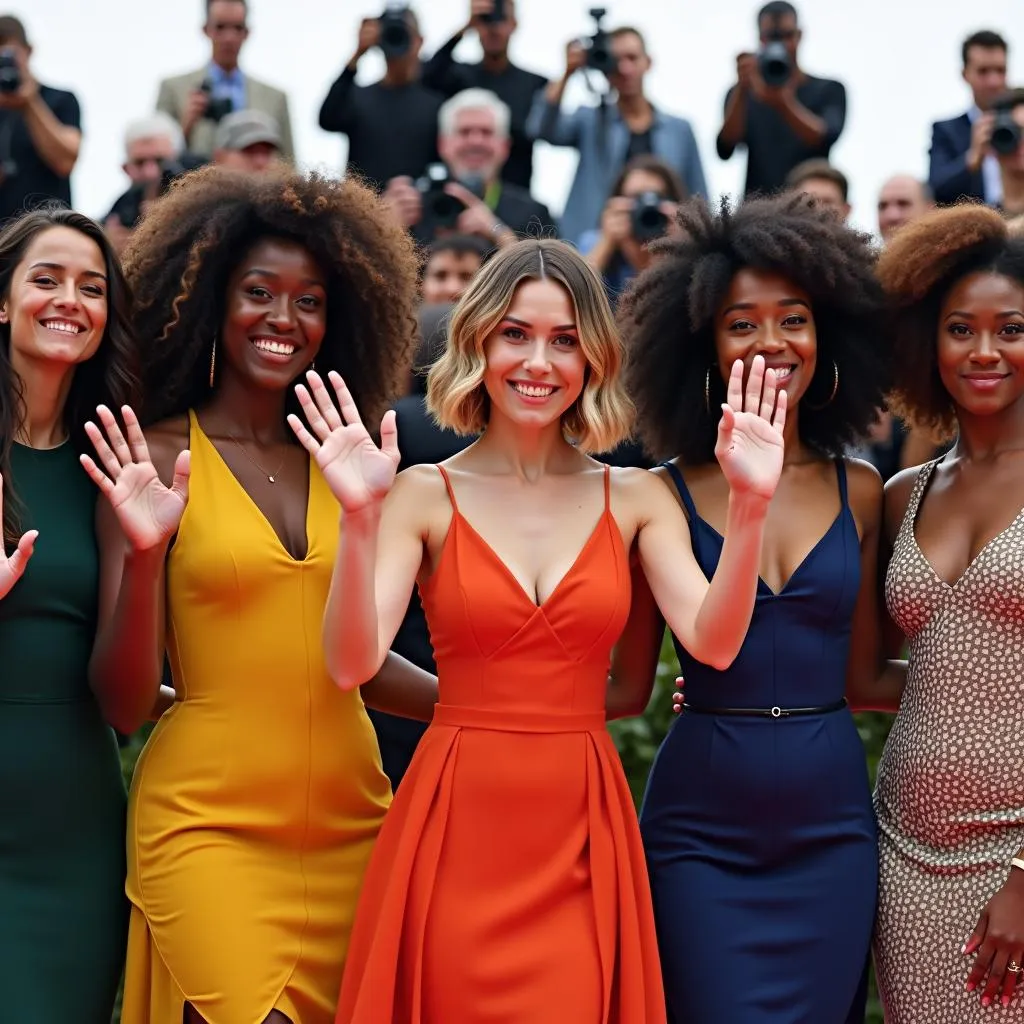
(152,145)
(392,124)
(198,100)
(780,113)
(466,194)
(642,207)
(1007,141)
(609,135)
(961,163)
(494,21)
(40,130)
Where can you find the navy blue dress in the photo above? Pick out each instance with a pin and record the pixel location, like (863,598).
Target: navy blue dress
(759,832)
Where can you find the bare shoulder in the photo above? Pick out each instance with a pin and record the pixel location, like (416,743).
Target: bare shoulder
(897,497)
(640,493)
(166,440)
(864,486)
(418,496)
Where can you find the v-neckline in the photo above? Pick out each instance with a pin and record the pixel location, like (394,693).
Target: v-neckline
(981,551)
(591,538)
(260,514)
(803,562)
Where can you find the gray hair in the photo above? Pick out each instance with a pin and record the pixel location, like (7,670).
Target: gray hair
(155,125)
(474,99)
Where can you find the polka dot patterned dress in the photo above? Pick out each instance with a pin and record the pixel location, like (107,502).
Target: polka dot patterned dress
(950,793)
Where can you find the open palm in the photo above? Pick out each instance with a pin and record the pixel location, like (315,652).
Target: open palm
(148,511)
(358,473)
(750,443)
(12,568)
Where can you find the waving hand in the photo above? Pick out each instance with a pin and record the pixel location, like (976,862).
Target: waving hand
(750,444)
(148,512)
(358,473)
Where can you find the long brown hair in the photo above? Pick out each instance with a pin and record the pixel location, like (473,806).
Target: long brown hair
(109,378)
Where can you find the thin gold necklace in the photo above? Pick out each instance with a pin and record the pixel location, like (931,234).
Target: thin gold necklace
(262,469)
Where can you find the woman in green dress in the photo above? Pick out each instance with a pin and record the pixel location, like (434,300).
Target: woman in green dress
(65,347)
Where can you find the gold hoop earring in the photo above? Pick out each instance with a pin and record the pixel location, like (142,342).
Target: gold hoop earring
(213,359)
(707,390)
(835,388)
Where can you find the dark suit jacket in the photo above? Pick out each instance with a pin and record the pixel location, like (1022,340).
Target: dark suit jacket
(948,175)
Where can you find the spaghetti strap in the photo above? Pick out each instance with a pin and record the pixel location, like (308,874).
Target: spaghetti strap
(607,488)
(841,474)
(684,492)
(448,485)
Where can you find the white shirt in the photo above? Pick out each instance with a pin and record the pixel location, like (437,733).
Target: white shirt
(991,176)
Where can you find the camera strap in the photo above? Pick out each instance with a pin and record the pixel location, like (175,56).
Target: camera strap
(493,195)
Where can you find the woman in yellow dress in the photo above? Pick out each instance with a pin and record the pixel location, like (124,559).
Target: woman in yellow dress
(257,800)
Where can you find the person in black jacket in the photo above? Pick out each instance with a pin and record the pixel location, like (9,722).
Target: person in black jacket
(961,162)
(494,21)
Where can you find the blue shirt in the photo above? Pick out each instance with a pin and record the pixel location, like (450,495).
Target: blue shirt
(228,83)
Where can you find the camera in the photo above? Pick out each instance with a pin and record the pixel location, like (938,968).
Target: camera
(395,37)
(649,221)
(497,14)
(1006,133)
(439,207)
(773,62)
(129,207)
(599,45)
(10,73)
(217,107)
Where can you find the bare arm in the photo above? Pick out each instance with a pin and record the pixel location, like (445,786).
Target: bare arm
(635,658)
(57,144)
(401,688)
(874,682)
(734,125)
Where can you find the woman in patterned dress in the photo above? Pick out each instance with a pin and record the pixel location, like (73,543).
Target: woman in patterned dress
(950,797)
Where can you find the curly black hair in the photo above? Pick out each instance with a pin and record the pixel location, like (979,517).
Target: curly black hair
(924,260)
(110,377)
(667,314)
(180,258)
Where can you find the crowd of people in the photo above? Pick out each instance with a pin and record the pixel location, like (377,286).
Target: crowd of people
(377,493)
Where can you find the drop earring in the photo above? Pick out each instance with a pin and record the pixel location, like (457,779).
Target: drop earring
(835,388)
(213,359)
(707,390)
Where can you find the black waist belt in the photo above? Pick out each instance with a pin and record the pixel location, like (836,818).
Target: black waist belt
(775,712)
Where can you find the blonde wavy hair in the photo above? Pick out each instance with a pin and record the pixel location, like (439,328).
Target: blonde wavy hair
(603,415)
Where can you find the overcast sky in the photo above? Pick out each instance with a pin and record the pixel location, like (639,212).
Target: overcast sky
(899,59)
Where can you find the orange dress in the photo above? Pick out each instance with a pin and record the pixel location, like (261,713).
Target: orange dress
(508,883)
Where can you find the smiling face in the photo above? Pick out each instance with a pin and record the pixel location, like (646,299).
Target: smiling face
(981,343)
(535,368)
(276,314)
(57,304)
(765,314)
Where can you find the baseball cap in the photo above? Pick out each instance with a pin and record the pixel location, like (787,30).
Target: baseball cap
(245,128)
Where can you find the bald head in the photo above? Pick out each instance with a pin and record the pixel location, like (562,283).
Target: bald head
(901,200)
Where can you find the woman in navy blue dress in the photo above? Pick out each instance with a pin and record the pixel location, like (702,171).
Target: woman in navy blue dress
(757,819)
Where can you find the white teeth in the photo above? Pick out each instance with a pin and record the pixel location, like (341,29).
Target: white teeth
(62,326)
(278,348)
(534,390)
(782,372)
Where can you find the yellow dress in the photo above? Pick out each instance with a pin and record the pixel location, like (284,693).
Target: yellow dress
(259,795)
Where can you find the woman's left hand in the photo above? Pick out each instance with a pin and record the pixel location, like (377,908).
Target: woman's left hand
(998,942)
(750,444)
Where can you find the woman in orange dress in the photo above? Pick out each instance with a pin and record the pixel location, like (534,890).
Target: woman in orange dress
(508,884)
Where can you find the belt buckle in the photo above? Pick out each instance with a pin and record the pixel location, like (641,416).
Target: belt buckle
(776,712)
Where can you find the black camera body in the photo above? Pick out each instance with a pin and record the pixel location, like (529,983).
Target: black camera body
(440,208)
(599,45)
(496,15)
(217,107)
(1006,133)
(773,63)
(395,37)
(648,218)
(10,73)
(129,209)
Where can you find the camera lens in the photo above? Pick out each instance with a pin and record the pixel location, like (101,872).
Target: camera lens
(1006,134)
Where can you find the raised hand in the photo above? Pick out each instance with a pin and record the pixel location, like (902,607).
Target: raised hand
(358,473)
(148,512)
(750,444)
(13,568)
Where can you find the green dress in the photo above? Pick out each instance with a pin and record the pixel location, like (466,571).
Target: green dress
(63,913)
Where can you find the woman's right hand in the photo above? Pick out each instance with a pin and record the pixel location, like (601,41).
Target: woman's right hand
(617,219)
(148,512)
(358,473)
(13,568)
